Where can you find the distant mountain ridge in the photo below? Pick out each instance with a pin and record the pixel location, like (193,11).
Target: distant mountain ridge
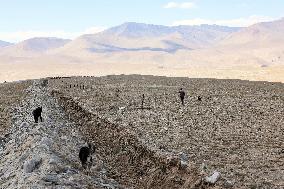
(43,44)
(127,37)
(259,44)
(34,46)
(264,32)
(132,29)
(255,52)
(4,44)
(133,36)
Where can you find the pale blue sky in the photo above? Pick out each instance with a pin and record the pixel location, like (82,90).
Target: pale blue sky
(21,19)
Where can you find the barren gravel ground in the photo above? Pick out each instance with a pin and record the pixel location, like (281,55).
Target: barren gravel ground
(237,128)
(11,95)
(44,155)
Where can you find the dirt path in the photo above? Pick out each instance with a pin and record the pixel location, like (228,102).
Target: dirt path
(45,155)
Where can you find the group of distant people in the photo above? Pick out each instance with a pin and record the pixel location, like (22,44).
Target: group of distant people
(85,153)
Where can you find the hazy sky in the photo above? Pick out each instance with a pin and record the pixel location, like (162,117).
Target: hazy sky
(22,19)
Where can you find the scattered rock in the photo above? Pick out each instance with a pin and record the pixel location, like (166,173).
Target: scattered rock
(31,165)
(53,178)
(46,141)
(183,160)
(47,151)
(203,168)
(24,124)
(71,171)
(54,160)
(228,183)
(213,178)
(223,121)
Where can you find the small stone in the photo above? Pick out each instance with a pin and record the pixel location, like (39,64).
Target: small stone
(46,141)
(52,161)
(45,147)
(228,184)
(203,168)
(121,108)
(24,157)
(51,178)
(24,124)
(213,178)
(31,165)
(183,160)
(183,164)
(71,171)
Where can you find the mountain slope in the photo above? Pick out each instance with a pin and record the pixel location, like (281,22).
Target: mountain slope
(145,37)
(267,33)
(183,46)
(261,43)
(255,53)
(4,44)
(33,46)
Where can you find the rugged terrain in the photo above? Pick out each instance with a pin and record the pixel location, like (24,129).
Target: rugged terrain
(44,155)
(236,129)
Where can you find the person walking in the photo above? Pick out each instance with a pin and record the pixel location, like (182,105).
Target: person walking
(182,95)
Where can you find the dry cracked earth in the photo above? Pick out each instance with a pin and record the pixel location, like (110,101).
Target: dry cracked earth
(236,129)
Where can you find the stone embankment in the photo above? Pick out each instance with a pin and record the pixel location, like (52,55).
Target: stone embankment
(130,160)
(235,129)
(45,155)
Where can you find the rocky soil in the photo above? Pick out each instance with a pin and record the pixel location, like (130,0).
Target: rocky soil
(45,155)
(237,128)
(11,95)
(232,138)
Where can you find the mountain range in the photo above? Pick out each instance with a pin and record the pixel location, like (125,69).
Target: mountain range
(161,50)
(145,37)
(129,37)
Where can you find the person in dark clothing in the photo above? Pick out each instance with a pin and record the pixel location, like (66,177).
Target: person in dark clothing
(182,95)
(85,155)
(199,98)
(37,114)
